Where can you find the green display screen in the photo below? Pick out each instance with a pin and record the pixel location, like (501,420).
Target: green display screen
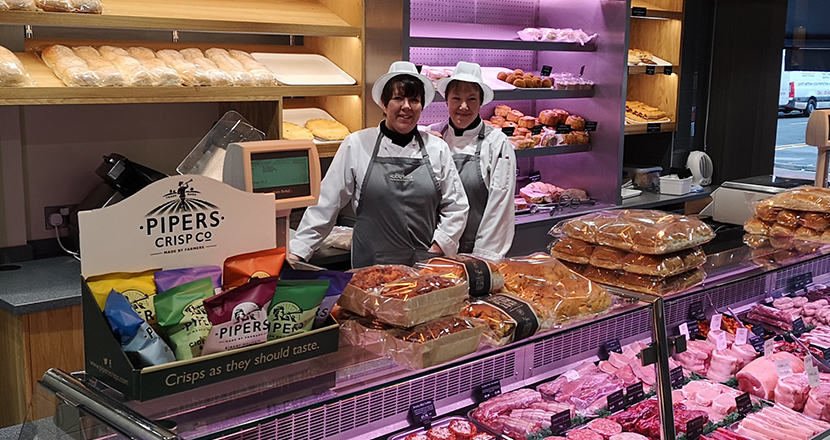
(283,173)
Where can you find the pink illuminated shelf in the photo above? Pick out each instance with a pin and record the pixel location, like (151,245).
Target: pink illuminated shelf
(479,36)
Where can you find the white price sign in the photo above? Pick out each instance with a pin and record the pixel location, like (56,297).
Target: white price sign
(784,368)
(717,318)
(572,375)
(741,336)
(684,330)
(769,347)
(720,341)
(812,376)
(808,362)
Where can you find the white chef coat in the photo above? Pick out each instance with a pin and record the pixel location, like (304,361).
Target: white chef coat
(345,176)
(498,168)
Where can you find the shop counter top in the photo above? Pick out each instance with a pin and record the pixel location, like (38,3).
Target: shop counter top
(38,285)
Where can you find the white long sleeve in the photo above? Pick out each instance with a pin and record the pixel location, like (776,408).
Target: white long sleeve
(344,179)
(498,168)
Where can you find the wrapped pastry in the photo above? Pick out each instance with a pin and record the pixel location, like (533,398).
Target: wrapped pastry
(131,68)
(608,258)
(779,230)
(71,69)
(641,231)
(756,241)
(18,5)
(12,72)
(766,212)
(664,266)
(756,226)
(81,6)
(234,68)
(434,342)
(191,74)
(805,198)
(106,70)
(641,283)
(410,287)
(482,276)
(165,75)
(804,233)
(218,77)
(376,276)
(815,220)
(260,74)
(507,317)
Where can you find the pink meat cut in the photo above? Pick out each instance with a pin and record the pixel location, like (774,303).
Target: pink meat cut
(792,391)
(722,366)
(760,378)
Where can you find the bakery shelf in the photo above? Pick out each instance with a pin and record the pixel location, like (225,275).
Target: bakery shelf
(292,17)
(665,127)
(475,36)
(553,151)
(653,11)
(658,70)
(529,94)
(50,90)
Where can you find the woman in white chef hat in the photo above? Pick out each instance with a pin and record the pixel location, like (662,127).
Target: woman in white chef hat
(403,184)
(485,161)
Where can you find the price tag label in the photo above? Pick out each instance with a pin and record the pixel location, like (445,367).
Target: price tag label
(676,377)
(537,129)
(546,70)
(744,403)
(696,311)
(758,330)
(720,341)
(826,353)
(741,336)
(634,394)
(560,422)
(422,413)
(813,377)
(563,128)
(694,428)
(590,125)
(769,347)
(667,70)
(798,326)
(653,127)
(650,70)
(799,282)
(616,401)
(535,176)
(490,389)
(639,12)
(508,130)
(694,329)
(716,320)
(684,330)
(784,368)
(757,343)
(572,375)
(608,347)
(808,362)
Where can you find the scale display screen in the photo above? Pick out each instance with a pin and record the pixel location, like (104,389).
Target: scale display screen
(284,173)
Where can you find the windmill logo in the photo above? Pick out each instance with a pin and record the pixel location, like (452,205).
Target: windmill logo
(182,199)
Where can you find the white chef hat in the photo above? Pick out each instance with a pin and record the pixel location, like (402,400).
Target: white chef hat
(467,72)
(403,68)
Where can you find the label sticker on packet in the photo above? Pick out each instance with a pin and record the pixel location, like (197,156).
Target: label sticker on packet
(239,316)
(339,280)
(294,306)
(240,269)
(527,323)
(182,317)
(168,279)
(137,338)
(138,288)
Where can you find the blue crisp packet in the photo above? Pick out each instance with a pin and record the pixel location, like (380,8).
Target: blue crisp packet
(149,347)
(123,320)
(338,280)
(168,279)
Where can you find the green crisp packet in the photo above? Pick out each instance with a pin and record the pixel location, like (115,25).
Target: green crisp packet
(294,306)
(181,314)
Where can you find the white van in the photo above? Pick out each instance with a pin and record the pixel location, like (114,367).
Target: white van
(804,91)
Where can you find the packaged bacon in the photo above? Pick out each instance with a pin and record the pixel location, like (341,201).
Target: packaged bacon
(483,276)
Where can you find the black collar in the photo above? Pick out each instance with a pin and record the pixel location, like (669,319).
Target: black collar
(398,139)
(460,131)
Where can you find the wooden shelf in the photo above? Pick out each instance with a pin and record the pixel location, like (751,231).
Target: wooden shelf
(653,11)
(665,127)
(292,17)
(553,151)
(476,36)
(50,90)
(529,94)
(658,70)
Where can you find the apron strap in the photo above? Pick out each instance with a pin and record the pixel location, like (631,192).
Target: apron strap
(425,155)
(368,172)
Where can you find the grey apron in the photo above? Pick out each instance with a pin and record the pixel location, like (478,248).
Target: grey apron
(396,223)
(469,170)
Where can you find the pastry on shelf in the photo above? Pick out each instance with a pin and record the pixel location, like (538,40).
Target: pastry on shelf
(12,71)
(571,81)
(637,56)
(566,35)
(327,129)
(637,111)
(293,131)
(524,80)
(80,6)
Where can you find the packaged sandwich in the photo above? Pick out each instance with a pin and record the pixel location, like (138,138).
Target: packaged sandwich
(338,282)
(482,276)
(168,279)
(408,301)
(240,269)
(433,343)
(182,317)
(294,306)
(138,288)
(556,293)
(642,231)
(508,318)
(238,317)
(138,340)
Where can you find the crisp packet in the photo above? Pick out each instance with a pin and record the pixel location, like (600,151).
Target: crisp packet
(182,317)
(240,269)
(294,306)
(138,288)
(239,316)
(339,280)
(168,279)
(136,336)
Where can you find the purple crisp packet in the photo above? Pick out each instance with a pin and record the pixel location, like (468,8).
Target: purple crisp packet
(168,279)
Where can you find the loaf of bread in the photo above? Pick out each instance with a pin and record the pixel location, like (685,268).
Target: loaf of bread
(191,74)
(231,66)
(608,258)
(217,76)
(131,68)
(805,198)
(106,70)
(82,6)
(573,250)
(642,231)
(71,69)
(260,75)
(12,71)
(766,212)
(18,5)
(164,74)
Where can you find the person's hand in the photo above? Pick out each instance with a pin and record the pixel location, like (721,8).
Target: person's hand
(436,134)
(435,249)
(294,257)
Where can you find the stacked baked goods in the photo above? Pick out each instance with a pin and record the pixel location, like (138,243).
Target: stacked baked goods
(546,126)
(87,66)
(523,80)
(566,35)
(12,71)
(571,81)
(80,6)
(318,128)
(638,112)
(541,192)
(775,250)
(641,250)
(637,56)
(800,214)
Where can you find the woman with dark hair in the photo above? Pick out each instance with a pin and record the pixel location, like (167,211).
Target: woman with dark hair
(485,161)
(402,184)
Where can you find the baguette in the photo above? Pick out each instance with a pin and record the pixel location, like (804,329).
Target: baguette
(131,68)
(260,75)
(164,74)
(69,68)
(218,77)
(191,74)
(234,68)
(106,70)
(12,71)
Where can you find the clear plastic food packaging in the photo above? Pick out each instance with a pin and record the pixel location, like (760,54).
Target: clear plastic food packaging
(556,293)
(68,67)
(191,74)
(434,342)
(260,74)
(224,61)
(642,231)
(165,76)
(18,5)
(483,276)
(135,73)
(218,77)
(78,6)
(12,71)
(407,301)
(641,283)
(105,69)
(804,198)
(508,318)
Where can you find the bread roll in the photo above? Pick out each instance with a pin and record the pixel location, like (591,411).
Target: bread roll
(12,71)
(576,122)
(664,266)
(131,68)
(72,70)
(575,251)
(788,218)
(804,233)
(766,212)
(260,74)
(756,241)
(217,76)
(781,242)
(191,74)
(608,258)
(755,226)
(18,5)
(805,198)
(232,67)
(815,220)
(55,5)
(163,73)
(779,230)
(81,6)
(106,70)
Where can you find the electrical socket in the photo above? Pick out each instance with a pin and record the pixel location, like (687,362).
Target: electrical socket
(62,210)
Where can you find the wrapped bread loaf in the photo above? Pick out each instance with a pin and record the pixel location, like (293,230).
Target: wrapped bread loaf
(641,283)
(18,5)
(164,74)
(805,198)
(71,69)
(217,76)
(260,75)
(816,221)
(81,6)
(12,72)
(106,70)
(766,212)
(191,74)
(641,231)
(234,68)
(131,68)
